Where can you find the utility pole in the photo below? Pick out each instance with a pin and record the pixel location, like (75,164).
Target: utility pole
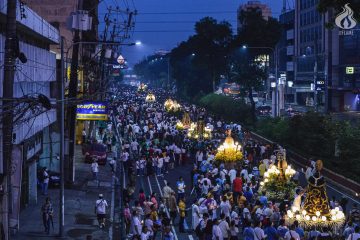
(102,56)
(315,73)
(71,108)
(7,127)
(61,128)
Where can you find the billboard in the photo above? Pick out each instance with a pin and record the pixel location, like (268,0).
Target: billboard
(92,111)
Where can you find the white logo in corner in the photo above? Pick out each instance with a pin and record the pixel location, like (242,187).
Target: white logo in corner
(345,19)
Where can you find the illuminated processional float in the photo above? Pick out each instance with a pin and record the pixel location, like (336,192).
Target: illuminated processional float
(229,152)
(315,211)
(278,179)
(150,98)
(199,131)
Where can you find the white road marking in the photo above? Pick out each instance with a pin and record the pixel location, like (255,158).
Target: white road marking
(177,208)
(151,191)
(167,212)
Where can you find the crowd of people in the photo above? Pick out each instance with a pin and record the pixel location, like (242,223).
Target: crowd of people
(224,201)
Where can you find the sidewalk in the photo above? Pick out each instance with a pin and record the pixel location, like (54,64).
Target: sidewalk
(80,219)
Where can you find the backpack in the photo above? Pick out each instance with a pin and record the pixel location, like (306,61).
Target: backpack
(198,231)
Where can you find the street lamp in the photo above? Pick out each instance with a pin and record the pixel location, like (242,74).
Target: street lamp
(138,43)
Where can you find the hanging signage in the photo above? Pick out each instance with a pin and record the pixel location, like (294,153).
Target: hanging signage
(92,111)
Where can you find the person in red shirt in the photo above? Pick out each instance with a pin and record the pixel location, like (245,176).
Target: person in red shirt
(237,186)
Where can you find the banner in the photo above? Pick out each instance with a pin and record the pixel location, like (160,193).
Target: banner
(92,111)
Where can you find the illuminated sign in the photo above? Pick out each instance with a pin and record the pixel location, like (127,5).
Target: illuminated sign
(349,70)
(320,85)
(92,111)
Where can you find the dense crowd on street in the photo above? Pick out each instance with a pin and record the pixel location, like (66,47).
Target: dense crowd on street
(223,202)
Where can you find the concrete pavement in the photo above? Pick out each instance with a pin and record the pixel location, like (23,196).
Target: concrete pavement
(80,219)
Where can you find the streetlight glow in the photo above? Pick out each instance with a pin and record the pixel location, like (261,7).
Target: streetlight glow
(244,46)
(138,43)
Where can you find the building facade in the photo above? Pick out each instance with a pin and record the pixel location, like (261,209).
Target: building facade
(285,49)
(31,131)
(322,57)
(265,10)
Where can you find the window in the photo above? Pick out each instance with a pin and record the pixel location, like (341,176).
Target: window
(312,16)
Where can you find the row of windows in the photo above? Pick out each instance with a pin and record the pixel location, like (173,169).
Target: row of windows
(310,34)
(308,3)
(310,17)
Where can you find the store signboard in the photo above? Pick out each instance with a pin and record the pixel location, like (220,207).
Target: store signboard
(92,111)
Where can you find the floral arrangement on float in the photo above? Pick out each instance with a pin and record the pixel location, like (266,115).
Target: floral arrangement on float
(278,181)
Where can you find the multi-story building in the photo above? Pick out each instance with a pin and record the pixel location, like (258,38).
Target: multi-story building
(342,62)
(309,52)
(322,55)
(32,139)
(285,50)
(265,9)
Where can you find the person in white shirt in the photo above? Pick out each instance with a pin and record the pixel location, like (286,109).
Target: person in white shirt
(216,231)
(160,163)
(224,227)
(292,234)
(145,234)
(259,232)
(95,169)
(142,166)
(135,227)
(355,235)
(100,210)
(232,174)
(225,207)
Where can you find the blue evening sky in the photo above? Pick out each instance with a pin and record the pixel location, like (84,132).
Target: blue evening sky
(174,22)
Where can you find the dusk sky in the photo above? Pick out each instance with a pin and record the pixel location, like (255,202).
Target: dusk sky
(163,24)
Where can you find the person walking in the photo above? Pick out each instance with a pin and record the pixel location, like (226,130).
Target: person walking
(83,134)
(181,188)
(172,207)
(100,210)
(182,212)
(47,213)
(45,183)
(95,170)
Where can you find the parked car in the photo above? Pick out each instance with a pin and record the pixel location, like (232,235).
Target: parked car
(97,151)
(54,177)
(263,110)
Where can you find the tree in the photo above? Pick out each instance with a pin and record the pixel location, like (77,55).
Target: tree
(256,31)
(250,75)
(202,58)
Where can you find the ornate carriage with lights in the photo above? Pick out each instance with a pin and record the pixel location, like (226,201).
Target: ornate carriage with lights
(315,211)
(172,106)
(229,152)
(142,88)
(150,98)
(185,123)
(199,131)
(277,180)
